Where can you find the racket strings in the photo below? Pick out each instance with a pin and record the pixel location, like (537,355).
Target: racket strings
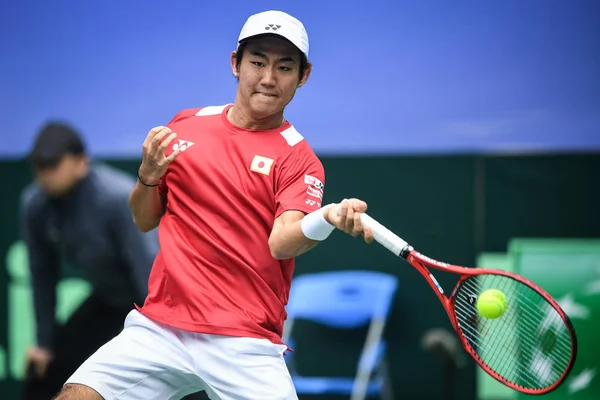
(505,354)
(527,381)
(530,345)
(564,346)
(565,351)
(526,378)
(504,349)
(505,358)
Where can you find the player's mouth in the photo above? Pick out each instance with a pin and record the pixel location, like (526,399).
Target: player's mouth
(266,94)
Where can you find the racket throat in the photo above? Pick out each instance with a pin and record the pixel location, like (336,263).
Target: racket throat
(436,283)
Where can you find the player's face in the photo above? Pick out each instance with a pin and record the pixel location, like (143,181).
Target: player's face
(269,75)
(58,179)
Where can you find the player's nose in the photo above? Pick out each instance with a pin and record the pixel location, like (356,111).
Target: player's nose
(268,78)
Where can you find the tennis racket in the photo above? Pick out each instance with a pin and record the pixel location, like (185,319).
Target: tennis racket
(531,347)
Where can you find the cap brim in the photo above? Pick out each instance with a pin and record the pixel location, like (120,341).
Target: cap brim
(270,34)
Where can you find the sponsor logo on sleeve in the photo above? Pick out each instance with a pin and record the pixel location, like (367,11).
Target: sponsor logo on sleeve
(314,189)
(314,192)
(312,181)
(313,202)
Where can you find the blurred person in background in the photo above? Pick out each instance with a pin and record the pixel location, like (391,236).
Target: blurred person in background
(78,212)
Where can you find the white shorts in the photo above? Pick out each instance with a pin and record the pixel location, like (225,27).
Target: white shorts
(152,361)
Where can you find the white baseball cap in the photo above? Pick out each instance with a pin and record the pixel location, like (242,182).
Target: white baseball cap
(276,23)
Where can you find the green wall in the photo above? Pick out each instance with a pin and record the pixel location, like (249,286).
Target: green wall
(449,207)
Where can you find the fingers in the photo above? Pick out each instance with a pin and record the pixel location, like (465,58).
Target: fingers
(368,235)
(173,155)
(359,205)
(150,136)
(349,223)
(357,227)
(154,163)
(165,144)
(153,133)
(157,139)
(37,362)
(348,217)
(343,213)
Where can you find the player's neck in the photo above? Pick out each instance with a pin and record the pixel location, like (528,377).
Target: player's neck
(241,119)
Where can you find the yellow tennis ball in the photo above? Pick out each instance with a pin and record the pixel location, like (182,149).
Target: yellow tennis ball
(491,303)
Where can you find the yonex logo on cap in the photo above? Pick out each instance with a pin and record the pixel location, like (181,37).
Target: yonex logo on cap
(272,27)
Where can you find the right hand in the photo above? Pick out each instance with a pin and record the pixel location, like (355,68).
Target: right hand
(345,216)
(39,358)
(154,162)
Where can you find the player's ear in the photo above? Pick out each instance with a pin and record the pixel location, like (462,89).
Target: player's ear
(234,68)
(305,75)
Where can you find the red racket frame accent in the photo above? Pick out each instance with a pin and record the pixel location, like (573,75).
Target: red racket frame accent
(421,262)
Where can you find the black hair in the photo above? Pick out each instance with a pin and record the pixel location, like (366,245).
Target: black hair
(53,141)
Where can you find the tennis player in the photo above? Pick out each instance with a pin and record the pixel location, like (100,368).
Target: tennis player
(238,194)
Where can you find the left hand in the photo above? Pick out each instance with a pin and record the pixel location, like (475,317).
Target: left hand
(346,217)
(38,359)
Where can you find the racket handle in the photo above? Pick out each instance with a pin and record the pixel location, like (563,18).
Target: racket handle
(383,235)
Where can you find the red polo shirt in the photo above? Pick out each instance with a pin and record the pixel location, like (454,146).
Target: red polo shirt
(214,272)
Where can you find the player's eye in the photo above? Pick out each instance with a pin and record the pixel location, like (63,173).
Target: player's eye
(258,63)
(284,68)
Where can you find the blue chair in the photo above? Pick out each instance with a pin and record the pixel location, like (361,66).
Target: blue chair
(346,300)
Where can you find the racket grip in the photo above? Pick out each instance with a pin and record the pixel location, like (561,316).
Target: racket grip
(383,235)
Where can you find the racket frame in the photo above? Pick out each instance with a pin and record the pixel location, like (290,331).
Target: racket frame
(423,263)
